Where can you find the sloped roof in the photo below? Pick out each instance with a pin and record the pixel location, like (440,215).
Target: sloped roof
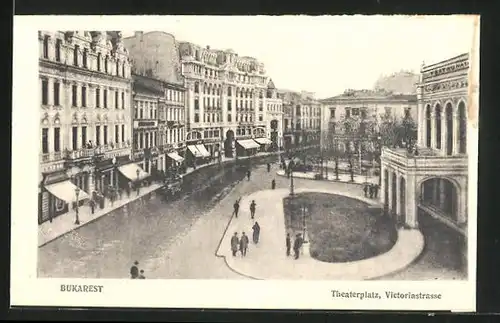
(147,85)
(271,85)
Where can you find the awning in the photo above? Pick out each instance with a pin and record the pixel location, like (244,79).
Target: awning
(130,172)
(194,151)
(175,156)
(263,141)
(204,152)
(248,144)
(66,191)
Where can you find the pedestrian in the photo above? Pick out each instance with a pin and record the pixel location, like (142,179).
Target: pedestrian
(256,232)
(141,275)
(375,190)
(273,184)
(288,244)
(252,209)
(92,206)
(243,244)
(366,190)
(268,167)
(371,190)
(129,189)
(297,244)
(248,174)
(235,243)
(134,271)
(120,193)
(236,207)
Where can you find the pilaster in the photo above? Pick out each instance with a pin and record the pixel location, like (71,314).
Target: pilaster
(456,133)
(398,195)
(433,129)
(411,201)
(389,190)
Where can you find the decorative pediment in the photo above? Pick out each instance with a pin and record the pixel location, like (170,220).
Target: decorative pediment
(45,119)
(98,117)
(74,119)
(57,120)
(84,118)
(68,36)
(105,118)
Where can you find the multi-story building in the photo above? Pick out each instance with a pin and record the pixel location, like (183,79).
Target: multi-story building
(85,87)
(363,107)
(289,99)
(156,63)
(274,118)
(428,187)
(226,99)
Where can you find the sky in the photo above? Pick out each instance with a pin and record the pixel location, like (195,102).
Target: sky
(325,54)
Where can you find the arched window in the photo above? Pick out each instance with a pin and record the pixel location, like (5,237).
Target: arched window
(84,60)
(449,129)
(117,67)
(75,55)
(123,69)
(99,59)
(106,64)
(438,126)
(428,128)
(229,91)
(462,128)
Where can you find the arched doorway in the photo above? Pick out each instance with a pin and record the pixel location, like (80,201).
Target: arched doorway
(402,200)
(428,128)
(442,195)
(437,117)
(394,191)
(228,144)
(462,127)
(449,129)
(386,190)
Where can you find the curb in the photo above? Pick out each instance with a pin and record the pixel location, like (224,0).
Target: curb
(323,180)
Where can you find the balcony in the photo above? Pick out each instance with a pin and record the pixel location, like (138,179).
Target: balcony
(80,153)
(425,159)
(51,157)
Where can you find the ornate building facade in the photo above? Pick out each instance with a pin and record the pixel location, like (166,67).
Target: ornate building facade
(85,96)
(274,120)
(225,100)
(428,187)
(362,107)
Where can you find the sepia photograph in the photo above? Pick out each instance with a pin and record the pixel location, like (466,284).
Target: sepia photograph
(337,152)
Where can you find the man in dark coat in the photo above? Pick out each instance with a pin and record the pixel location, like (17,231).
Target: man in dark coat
(252,209)
(243,244)
(236,207)
(256,232)
(235,242)
(371,188)
(375,190)
(268,167)
(288,244)
(273,184)
(296,245)
(134,271)
(365,189)
(248,174)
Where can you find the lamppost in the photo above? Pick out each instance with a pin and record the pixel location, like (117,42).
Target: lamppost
(290,171)
(305,237)
(137,172)
(77,193)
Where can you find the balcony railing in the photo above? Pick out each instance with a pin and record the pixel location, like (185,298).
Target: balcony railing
(50,157)
(424,159)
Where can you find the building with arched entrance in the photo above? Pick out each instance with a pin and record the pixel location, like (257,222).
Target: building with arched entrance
(426,186)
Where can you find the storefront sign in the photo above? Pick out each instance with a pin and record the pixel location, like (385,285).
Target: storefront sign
(145,123)
(55,178)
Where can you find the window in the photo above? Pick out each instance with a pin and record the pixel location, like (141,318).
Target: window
(260,117)
(118,68)
(196,87)
(229,91)
(98,135)
(97,98)
(229,105)
(297,110)
(196,104)
(387,110)
(84,136)
(347,112)
(45,92)
(123,133)
(75,56)
(123,100)
(45,140)
(355,112)
(85,52)
(84,96)
(123,70)
(57,139)
(46,47)
(136,140)
(229,117)
(73,95)
(117,134)
(106,64)
(105,99)
(56,93)
(364,114)
(58,50)
(141,139)
(407,112)
(99,59)
(196,117)
(75,138)
(141,116)
(105,133)
(116,100)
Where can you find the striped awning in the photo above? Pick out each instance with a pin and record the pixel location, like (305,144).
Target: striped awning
(66,191)
(175,156)
(263,141)
(133,172)
(204,152)
(248,144)
(194,151)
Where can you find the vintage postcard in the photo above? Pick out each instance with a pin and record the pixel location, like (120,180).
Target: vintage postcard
(274,162)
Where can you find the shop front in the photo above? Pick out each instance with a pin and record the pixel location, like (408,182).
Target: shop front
(246,147)
(57,195)
(197,154)
(265,144)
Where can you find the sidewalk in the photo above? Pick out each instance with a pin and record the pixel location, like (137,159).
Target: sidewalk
(49,231)
(344,178)
(268,259)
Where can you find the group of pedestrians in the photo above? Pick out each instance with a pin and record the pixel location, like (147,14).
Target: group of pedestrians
(241,244)
(297,244)
(371,190)
(236,208)
(135,273)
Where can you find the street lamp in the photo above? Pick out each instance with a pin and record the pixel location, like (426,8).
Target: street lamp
(290,171)
(77,193)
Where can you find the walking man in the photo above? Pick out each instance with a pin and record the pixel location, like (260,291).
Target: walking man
(288,244)
(134,271)
(273,184)
(296,245)
(371,188)
(243,244)
(375,190)
(366,190)
(235,243)
(92,205)
(236,207)
(248,174)
(256,232)
(268,167)
(252,209)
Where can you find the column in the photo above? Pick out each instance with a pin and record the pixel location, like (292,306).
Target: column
(433,130)
(382,185)
(442,193)
(456,133)
(444,131)
(411,201)
(389,192)
(50,90)
(91,182)
(462,205)
(78,94)
(398,195)
(421,122)
(50,139)
(435,191)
